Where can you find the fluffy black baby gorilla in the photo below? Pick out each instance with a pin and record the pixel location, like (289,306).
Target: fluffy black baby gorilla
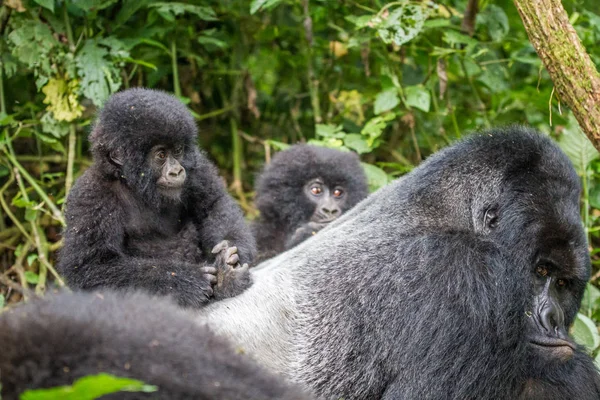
(152,212)
(54,341)
(459,281)
(302,190)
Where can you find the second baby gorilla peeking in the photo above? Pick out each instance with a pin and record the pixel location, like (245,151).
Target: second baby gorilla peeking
(303,189)
(151,212)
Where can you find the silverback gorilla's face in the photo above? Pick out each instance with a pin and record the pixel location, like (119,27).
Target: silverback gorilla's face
(328,201)
(166,166)
(551,237)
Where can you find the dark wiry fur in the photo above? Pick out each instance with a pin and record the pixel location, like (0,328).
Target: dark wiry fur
(280,197)
(410,295)
(121,232)
(54,341)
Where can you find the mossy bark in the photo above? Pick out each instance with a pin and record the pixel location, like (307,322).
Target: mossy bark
(574,75)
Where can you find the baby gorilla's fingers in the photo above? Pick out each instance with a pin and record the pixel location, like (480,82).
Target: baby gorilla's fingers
(220,247)
(231,256)
(209,270)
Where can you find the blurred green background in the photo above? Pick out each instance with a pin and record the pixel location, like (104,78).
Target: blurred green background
(393,81)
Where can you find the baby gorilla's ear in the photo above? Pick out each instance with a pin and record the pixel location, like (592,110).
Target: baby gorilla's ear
(116,157)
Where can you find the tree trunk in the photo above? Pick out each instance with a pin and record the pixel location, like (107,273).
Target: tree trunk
(571,69)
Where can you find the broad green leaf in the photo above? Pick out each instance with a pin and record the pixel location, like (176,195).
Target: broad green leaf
(357,143)
(330,131)
(31,277)
(386,100)
(577,146)
(585,332)
(402,24)
(590,296)
(89,388)
(32,42)
(495,20)
(49,4)
(262,5)
(170,10)
(418,97)
(374,128)
(129,8)
(99,77)
(61,97)
(376,177)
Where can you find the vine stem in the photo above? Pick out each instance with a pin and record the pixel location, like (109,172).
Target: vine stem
(68,27)
(70,158)
(176,85)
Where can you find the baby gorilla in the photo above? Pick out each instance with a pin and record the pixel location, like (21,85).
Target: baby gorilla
(302,190)
(151,212)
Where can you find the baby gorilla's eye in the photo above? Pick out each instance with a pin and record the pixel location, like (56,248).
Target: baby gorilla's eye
(541,270)
(316,190)
(179,151)
(338,192)
(161,155)
(561,283)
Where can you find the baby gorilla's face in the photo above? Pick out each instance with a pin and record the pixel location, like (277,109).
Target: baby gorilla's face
(329,200)
(166,166)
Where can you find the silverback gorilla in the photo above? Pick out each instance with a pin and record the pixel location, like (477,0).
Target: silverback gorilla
(56,340)
(458,282)
(151,209)
(301,191)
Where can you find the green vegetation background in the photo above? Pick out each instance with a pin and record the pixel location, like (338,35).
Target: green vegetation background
(393,81)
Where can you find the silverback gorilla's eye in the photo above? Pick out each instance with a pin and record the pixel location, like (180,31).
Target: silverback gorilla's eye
(338,192)
(316,190)
(541,270)
(561,283)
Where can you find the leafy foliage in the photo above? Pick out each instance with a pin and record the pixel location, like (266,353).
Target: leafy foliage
(89,388)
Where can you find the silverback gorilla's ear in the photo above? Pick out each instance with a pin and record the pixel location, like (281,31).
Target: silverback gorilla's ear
(116,157)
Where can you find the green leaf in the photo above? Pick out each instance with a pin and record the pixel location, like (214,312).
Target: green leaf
(89,388)
(385,101)
(418,97)
(211,41)
(453,37)
(99,77)
(93,5)
(376,177)
(496,21)
(374,128)
(330,131)
(585,332)
(170,10)
(357,143)
(590,296)
(262,5)
(2,301)
(277,145)
(402,24)
(30,214)
(49,4)
(31,258)
(32,42)
(32,277)
(577,146)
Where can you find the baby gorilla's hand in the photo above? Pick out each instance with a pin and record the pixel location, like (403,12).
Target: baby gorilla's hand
(230,279)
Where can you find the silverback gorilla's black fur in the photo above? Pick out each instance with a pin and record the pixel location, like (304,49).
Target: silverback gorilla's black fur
(54,341)
(122,232)
(280,196)
(442,286)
